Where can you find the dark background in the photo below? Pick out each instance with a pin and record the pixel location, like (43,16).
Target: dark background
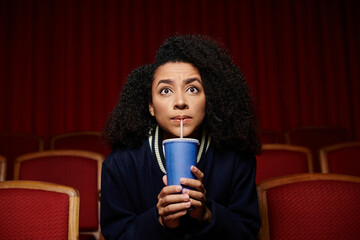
(63,62)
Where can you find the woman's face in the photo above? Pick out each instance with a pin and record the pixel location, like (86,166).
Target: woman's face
(178,93)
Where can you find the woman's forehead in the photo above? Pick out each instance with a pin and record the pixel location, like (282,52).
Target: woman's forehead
(176,69)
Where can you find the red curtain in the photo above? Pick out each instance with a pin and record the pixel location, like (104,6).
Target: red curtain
(63,62)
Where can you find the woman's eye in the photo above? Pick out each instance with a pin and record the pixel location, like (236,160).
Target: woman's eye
(165,91)
(193,90)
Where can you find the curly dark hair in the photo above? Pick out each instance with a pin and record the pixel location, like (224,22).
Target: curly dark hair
(230,117)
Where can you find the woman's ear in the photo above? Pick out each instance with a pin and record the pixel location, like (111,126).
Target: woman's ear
(151,109)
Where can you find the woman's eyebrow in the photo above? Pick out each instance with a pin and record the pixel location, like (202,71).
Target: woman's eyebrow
(186,81)
(165,81)
(190,80)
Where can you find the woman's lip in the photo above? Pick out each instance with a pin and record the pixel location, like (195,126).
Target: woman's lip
(178,120)
(179,117)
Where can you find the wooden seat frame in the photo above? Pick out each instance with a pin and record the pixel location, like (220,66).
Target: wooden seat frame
(264,233)
(74,200)
(293,148)
(79,153)
(2,168)
(324,164)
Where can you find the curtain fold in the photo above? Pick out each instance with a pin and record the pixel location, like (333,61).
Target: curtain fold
(63,62)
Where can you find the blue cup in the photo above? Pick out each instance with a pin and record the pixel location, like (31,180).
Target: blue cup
(180,155)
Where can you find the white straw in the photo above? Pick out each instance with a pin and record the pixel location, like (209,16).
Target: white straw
(181,128)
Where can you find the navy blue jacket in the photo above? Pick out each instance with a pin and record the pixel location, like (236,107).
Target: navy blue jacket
(131,181)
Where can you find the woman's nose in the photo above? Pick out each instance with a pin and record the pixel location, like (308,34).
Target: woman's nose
(180,102)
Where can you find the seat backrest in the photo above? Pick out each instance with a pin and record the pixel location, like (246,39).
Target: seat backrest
(316,137)
(38,210)
(310,206)
(343,158)
(13,145)
(2,168)
(75,168)
(86,140)
(269,136)
(278,160)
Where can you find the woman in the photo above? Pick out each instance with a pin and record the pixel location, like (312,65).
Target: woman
(195,80)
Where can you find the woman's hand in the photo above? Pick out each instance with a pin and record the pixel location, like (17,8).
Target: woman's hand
(172,206)
(197,195)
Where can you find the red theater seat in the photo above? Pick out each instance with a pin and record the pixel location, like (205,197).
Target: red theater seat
(343,158)
(310,206)
(87,140)
(38,210)
(281,159)
(75,168)
(13,145)
(315,138)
